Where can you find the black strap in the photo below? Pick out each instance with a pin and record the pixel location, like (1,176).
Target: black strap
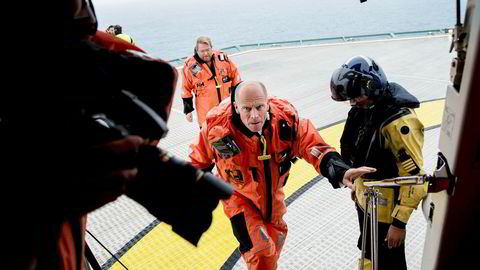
(213,68)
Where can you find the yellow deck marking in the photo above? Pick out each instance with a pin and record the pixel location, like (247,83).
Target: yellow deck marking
(431,113)
(162,249)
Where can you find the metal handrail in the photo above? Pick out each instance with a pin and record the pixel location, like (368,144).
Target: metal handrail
(302,42)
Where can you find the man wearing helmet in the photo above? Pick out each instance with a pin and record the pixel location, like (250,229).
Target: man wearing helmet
(381,131)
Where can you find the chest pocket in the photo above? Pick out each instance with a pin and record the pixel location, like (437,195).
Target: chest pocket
(237,171)
(199,79)
(286,132)
(285,161)
(227,85)
(235,176)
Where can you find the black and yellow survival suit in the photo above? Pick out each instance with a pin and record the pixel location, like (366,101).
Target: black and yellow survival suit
(389,137)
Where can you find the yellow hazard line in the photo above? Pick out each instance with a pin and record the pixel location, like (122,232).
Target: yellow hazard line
(431,113)
(163,249)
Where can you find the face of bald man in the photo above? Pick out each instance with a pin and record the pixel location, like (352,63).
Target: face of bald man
(251,104)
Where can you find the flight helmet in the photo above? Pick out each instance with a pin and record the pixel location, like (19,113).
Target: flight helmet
(359,76)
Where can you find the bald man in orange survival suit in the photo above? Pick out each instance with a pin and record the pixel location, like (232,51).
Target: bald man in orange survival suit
(253,141)
(209,75)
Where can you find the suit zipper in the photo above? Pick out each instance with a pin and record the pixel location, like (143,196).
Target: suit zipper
(268,179)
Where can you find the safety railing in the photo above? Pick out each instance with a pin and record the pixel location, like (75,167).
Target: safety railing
(316,41)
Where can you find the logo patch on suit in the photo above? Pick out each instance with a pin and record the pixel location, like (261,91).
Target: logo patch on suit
(200,84)
(226,147)
(407,162)
(222,71)
(235,175)
(195,69)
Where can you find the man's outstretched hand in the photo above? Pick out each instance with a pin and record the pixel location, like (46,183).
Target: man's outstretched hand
(353,173)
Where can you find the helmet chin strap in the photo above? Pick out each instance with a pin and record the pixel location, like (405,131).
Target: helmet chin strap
(366,103)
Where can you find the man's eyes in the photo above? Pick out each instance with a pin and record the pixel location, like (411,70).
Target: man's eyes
(248,109)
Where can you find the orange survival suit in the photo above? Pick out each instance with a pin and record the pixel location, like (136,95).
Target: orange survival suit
(210,86)
(257,166)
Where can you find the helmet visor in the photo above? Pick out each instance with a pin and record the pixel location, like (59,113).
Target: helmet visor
(347,84)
